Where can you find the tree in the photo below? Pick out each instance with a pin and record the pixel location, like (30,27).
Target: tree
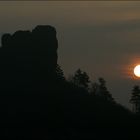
(81,79)
(59,73)
(93,88)
(135,99)
(102,90)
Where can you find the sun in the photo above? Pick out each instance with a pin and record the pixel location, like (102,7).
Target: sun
(137,71)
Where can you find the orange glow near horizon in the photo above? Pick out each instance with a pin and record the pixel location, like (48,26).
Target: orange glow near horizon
(127,68)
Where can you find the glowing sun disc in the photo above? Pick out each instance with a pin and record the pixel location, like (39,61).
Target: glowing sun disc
(137,71)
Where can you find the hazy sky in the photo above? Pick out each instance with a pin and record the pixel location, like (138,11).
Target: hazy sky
(102,38)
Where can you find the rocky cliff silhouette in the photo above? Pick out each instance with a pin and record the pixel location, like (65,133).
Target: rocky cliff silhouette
(28,58)
(28,61)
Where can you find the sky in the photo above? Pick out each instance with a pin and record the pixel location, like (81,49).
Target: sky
(102,38)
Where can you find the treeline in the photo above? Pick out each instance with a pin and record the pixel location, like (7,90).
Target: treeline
(81,79)
(89,105)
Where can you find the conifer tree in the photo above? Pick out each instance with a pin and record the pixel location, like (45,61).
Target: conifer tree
(81,79)
(59,73)
(135,99)
(102,90)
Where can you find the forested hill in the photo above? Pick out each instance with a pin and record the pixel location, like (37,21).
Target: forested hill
(38,102)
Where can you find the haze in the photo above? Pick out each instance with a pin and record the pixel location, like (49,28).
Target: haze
(101,38)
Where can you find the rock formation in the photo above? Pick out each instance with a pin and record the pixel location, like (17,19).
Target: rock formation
(28,57)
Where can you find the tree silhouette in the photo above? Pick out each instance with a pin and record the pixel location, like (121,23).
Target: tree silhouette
(102,90)
(59,73)
(81,79)
(93,88)
(135,99)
